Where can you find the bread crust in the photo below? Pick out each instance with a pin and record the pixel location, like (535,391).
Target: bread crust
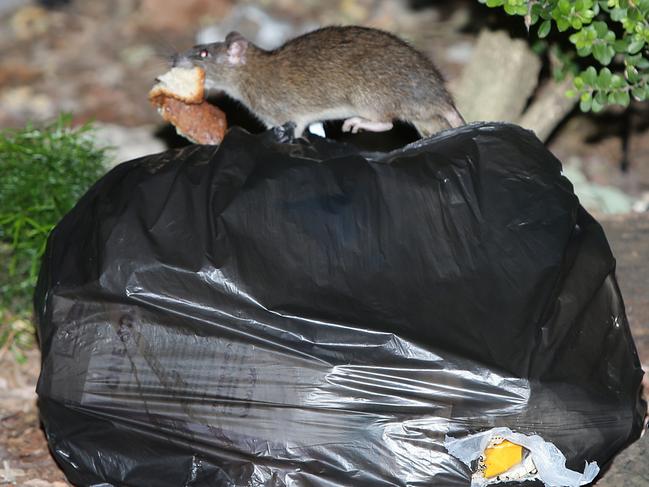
(185,106)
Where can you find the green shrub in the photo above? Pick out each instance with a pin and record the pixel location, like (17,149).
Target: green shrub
(44,172)
(611,37)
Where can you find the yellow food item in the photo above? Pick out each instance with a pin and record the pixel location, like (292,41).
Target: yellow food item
(501,457)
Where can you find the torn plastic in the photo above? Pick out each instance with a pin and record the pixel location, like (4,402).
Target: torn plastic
(546,462)
(305,314)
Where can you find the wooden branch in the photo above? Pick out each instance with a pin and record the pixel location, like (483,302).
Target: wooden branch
(549,108)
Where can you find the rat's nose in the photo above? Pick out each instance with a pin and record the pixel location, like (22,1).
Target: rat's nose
(180,61)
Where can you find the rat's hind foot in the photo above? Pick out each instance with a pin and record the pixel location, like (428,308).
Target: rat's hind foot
(354,124)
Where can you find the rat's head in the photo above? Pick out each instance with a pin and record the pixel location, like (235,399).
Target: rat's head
(221,61)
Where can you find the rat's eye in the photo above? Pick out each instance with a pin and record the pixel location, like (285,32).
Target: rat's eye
(204,53)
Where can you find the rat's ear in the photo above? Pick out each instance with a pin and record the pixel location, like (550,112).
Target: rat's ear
(237,47)
(234,36)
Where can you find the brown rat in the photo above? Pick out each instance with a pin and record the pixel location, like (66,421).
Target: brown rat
(366,76)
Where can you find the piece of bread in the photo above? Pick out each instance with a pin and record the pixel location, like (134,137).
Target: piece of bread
(201,123)
(183,84)
(179,96)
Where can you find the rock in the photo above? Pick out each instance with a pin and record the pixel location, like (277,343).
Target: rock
(630,468)
(459,53)
(256,24)
(29,22)
(25,103)
(642,203)
(137,55)
(9,5)
(549,107)
(14,72)
(497,87)
(126,143)
(638,155)
(628,236)
(596,198)
(43,483)
(164,15)
(8,474)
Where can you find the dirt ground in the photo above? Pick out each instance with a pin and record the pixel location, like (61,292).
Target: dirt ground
(24,457)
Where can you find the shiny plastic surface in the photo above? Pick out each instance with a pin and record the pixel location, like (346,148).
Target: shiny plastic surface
(299,314)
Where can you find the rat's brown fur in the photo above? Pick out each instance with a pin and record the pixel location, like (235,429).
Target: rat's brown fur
(331,73)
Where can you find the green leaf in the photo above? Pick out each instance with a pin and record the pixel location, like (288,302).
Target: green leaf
(510,9)
(631,74)
(578,82)
(630,60)
(638,93)
(585,102)
(617,81)
(622,98)
(536,9)
(585,51)
(539,47)
(590,76)
(544,28)
(635,15)
(521,10)
(601,29)
(604,79)
(564,6)
(607,55)
(620,45)
(599,101)
(601,53)
(618,14)
(635,46)
(563,24)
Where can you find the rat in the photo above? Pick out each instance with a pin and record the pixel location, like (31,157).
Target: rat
(366,76)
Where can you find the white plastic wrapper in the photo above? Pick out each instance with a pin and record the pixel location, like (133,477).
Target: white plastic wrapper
(549,461)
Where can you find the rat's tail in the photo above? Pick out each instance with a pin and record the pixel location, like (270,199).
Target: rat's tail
(450,118)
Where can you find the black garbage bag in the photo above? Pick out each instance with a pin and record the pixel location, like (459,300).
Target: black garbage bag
(304,314)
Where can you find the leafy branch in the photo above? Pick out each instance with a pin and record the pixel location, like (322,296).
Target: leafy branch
(612,37)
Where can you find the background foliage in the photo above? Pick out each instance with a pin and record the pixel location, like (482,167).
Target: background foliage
(44,172)
(608,50)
